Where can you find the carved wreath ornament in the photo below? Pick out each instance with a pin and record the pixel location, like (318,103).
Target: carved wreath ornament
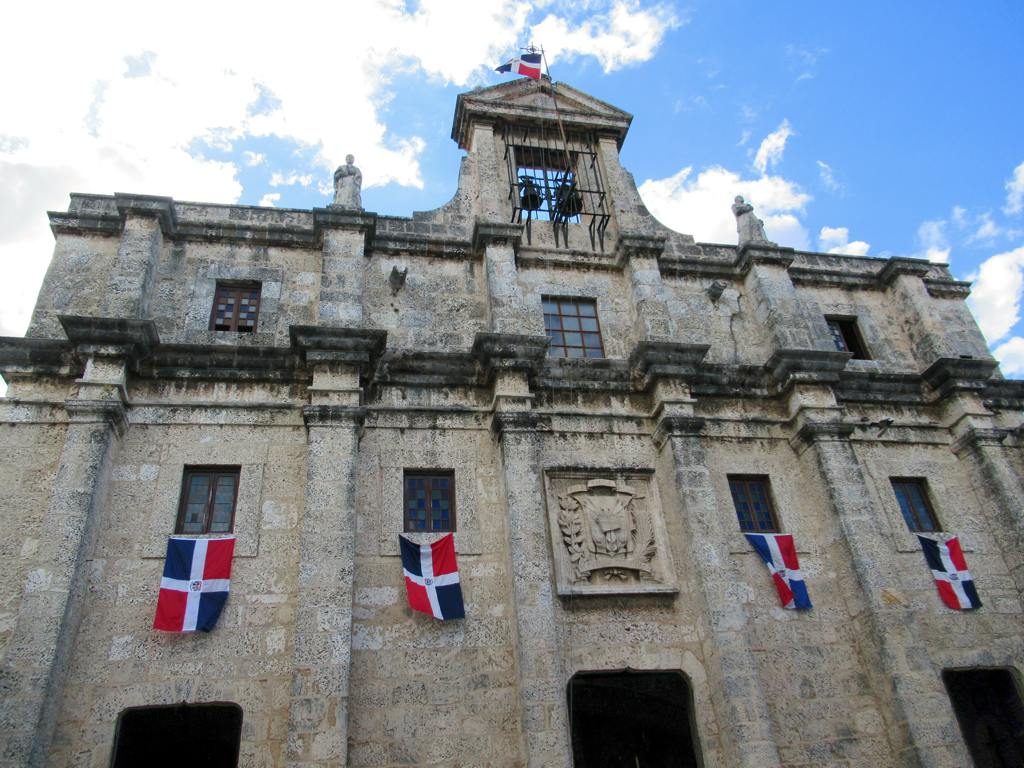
(604,533)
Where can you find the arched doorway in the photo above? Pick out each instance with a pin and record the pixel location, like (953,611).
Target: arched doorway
(630,719)
(178,734)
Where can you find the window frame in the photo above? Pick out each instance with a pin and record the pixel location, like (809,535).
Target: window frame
(921,484)
(213,471)
(548,172)
(429,475)
(561,330)
(746,481)
(849,331)
(224,289)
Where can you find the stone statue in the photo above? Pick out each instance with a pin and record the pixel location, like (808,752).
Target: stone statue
(348,185)
(749,227)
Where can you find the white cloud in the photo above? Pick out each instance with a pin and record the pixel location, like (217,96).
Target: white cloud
(959,216)
(143,101)
(931,237)
(1010,355)
(996,295)
(270,199)
(625,34)
(769,154)
(701,206)
(278,179)
(1015,192)
(987,229)
(828,177)
(837,240)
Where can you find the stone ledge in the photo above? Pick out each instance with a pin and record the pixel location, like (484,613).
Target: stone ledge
(495,233)
(787,366)
(901,265)
(325,344)
(750,254)
(333,415)
(677,426)
(505,422)
(149,206)
(941,288)
(508,352)
(654,360)
(950,374)
(342,218)
(632,245)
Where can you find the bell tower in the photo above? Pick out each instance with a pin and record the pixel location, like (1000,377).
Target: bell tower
(546,157)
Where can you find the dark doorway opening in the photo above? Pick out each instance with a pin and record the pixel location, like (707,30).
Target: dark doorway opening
(991,715)
(177,735)
(632,720)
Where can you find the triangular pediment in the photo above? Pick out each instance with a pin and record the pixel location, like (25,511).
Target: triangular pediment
(532,101)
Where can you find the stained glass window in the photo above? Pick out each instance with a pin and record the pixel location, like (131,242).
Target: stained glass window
(236,307)
(430,501)
(913,500)
(753,504)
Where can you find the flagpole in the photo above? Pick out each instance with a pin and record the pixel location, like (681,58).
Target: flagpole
(558,114)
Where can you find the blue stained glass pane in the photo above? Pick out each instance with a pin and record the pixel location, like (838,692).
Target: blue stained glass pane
(587,309)
(571,323)
(588,323)
(592,352)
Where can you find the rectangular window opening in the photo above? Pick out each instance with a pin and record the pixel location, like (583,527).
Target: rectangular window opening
(208,498)
(912,496)
(572,327)
(236,306)
(429,501)
(547,183)
(846,336)
(753,502)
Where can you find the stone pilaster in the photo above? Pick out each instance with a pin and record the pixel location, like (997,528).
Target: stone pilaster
(509,312)
(345,237)
(792,324)
(938,327)
(541,677)
(35,668)
(739,701)
(994,478)
(318,713)
(922,727)
(145,220)
(638,254)
(342,360)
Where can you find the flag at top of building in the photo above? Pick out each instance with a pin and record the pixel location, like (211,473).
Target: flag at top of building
(528,64)
(194,587)
(779,553)
(432,577)
(949,568)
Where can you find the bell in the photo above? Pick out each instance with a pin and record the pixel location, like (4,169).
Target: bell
(529,195)
(568,202)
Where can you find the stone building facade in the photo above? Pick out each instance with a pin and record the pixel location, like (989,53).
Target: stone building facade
(593,474)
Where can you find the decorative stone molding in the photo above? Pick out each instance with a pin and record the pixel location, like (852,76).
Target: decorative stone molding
(150,206)
(333,415)
(630,245)
(337,218)
(507,351)
(749,254)
(787,366)
(812,432)
(950,374)
(133,340)
(355,346)
(653,360)
(677,426)
(901,265)
(977,437)
(607,533)
(504,422)
(495,233)
(111,412)
(941,288)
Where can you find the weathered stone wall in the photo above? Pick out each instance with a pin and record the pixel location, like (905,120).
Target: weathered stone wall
(75,282)
(119,661)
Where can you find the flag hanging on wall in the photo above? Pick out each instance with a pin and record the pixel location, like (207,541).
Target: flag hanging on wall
(528,64)
(195,583)
(779,553)
(432,577)
(952,579)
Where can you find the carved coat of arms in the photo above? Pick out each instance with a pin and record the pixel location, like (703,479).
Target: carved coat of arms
(605,533)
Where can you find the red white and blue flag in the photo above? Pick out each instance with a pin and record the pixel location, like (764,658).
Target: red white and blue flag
(779,553)
(432,578)
(952,579)
(528,64)
(194,587)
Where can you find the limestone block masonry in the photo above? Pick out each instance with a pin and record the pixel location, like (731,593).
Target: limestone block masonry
(593,385)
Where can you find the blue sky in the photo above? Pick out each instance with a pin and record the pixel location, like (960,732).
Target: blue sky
(877,128)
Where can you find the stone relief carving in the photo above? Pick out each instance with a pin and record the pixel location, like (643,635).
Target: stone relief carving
(607,534)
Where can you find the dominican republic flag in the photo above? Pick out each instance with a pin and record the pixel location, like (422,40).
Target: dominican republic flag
(528,64)
(432,578)
(952,579)
(779,553)
(194,587)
